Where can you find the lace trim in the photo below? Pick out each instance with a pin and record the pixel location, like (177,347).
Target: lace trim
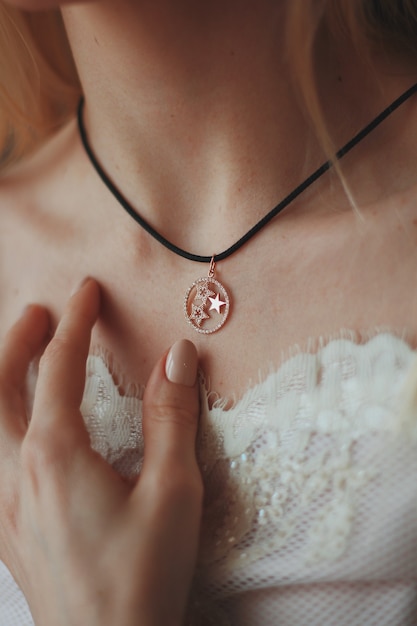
(288,443)
(313,346)
(113,420)
(284,465)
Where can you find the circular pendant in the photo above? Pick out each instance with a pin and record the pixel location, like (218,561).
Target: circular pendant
(206,305)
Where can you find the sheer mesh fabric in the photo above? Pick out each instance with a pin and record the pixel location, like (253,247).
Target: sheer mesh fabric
(310,514)
(14,610)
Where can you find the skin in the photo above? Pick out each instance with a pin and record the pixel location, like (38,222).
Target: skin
(184,77)
(199,125)
(69,521)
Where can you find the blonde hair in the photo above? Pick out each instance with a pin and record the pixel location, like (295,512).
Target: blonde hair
(39,87)
(383,25)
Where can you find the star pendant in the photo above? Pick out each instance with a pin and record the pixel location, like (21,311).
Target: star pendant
(198,314)
(203,292)
(216,303)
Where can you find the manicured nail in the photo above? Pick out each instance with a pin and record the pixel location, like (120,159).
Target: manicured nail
(80,285)
(181,363)
(25,310)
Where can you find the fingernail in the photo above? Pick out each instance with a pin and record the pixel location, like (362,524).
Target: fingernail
(25,310)
(181,363)
(80,285)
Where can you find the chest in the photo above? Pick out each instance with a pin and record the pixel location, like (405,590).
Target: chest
(291,283)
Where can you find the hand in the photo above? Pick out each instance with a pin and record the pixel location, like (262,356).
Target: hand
(84,545)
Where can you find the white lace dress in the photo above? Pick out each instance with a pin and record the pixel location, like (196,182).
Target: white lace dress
(311,491)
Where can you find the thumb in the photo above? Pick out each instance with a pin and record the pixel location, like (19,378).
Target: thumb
(170,413)
(169,491)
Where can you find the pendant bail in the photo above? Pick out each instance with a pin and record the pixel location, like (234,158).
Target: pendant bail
(212,268)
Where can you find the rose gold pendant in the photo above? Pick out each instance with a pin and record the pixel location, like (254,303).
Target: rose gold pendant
(207,303)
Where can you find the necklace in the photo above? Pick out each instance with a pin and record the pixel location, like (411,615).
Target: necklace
(207,302)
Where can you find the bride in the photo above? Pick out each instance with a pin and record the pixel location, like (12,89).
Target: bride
(176,194)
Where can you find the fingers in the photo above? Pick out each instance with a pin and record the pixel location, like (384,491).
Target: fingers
(169,491)
(170,409)
(22,343)
(170,419)
(62,367)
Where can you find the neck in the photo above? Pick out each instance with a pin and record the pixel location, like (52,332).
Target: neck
(189,108)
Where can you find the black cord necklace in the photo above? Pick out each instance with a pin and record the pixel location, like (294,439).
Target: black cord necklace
(205,319)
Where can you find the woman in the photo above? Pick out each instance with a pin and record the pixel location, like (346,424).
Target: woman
(204,117)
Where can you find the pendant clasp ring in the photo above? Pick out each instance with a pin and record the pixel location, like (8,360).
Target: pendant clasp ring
(211,267)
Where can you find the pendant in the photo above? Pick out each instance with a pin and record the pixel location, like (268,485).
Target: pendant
(207,303)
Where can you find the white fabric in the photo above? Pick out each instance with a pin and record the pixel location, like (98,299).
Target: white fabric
(311,490)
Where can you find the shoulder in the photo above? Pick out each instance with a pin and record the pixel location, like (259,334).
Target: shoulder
(35,173)
(399,213)
(32,218)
